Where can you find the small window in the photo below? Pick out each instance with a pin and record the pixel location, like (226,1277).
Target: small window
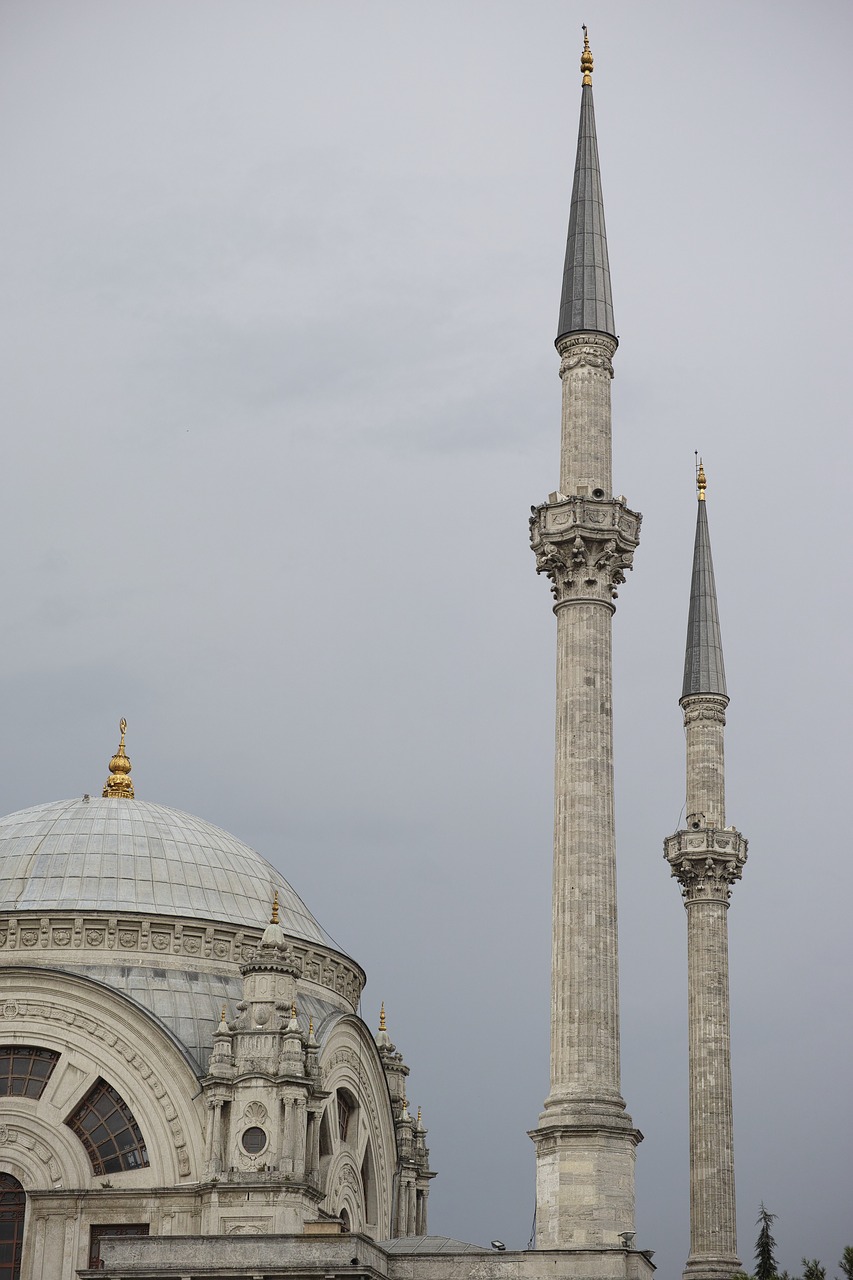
(97,1233)
(254,1140)
(105,1125)
(25,1070)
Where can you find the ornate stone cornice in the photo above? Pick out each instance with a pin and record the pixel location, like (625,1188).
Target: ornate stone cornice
(584,546)
(706,862)
(68,938)
(704,706)
(592,351)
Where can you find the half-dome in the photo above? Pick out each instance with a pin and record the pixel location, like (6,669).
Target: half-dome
(118,855)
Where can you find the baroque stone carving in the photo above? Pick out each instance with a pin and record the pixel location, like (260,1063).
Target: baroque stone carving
(706,863)
(584,547)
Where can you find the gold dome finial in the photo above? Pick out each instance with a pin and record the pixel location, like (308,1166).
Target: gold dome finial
(274,916)
(382,1026)
(701,482)
(586,59)
(119,783)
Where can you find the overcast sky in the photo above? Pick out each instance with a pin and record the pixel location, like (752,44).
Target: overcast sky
(279,286)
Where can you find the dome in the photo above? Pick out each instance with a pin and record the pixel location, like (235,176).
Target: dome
(120,855)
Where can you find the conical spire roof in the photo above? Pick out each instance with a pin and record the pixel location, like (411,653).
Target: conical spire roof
(586,304)
(703,660)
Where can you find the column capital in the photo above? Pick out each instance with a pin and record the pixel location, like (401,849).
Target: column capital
(584,546)
(593,351)
(706,862)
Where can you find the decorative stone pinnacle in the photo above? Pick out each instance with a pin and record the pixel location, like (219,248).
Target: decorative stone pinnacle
(118,784)
(586,59)
(382,1026)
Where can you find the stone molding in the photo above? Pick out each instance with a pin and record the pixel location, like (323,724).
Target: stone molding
(587,350)
(706,862)
(584,546)
(67,934)
(704,706)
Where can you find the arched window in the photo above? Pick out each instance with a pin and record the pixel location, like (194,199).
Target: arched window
(105,1125)
(346,1114)
(25,1070)
(13,1204)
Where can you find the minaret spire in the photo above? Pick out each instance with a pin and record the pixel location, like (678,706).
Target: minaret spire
(706,859)
(704,671)
(584,541)
(586,304)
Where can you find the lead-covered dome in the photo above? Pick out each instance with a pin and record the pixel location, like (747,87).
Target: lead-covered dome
(121,855)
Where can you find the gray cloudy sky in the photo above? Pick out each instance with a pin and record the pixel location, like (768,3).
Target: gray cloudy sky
(279,291)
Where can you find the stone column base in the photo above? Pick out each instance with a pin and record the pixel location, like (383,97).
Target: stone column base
(585,1185)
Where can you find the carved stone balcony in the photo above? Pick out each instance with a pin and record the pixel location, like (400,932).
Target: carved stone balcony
(584,546)
(706,862)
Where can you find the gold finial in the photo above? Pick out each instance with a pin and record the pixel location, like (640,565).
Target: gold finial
(274,916)
(701,482)
(586,59)
(419,1117)
(293,1013)
(119,783)
(224,1011)
(382,1026)
(310,1026)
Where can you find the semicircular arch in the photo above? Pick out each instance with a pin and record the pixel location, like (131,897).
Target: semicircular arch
(100,1033)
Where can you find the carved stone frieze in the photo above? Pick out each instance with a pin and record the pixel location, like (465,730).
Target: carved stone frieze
(68,932)
(706,862)
(584,546)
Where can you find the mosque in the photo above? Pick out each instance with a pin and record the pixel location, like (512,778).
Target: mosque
(187,1089)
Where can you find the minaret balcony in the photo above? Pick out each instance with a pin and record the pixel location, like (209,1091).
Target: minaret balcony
(584,546)
(706,861)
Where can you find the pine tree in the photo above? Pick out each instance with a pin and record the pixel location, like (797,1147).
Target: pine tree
(812,1270)
(846,1263)
(765,1259)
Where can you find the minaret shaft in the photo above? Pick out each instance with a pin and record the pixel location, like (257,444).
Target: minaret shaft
(713,1230)
(585,977)
(585,455)
(704,724)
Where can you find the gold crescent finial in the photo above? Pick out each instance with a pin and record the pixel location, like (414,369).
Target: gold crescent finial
(382,1026)
(274,916)
(119,783)
(701,482)
(586,59)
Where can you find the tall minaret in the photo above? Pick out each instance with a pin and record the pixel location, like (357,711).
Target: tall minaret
(584,540)
(706,859)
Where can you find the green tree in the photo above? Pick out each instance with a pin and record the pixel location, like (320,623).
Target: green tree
(765,1257)
(846,1263)
(812,1270)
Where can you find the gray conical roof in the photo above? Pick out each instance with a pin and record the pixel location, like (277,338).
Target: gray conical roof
(586,303)
(703,660)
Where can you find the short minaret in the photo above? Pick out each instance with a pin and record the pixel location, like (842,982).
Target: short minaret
(706,859)
(584,539)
